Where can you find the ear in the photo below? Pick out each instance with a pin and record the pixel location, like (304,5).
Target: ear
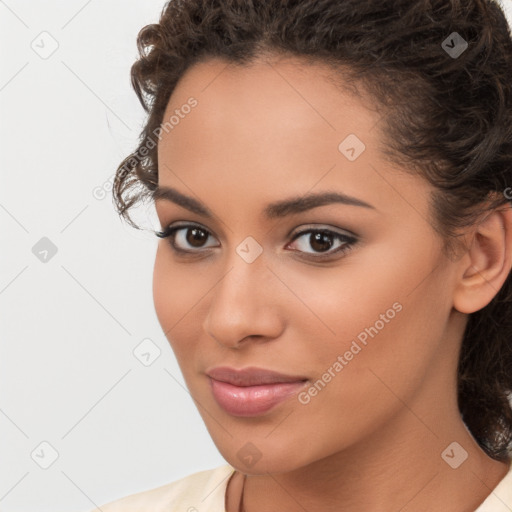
(482,271)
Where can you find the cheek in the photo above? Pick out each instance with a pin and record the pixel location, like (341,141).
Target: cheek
(175,292)
(361,385)
(169,296)
(385,317)
(177,299)
(162,292)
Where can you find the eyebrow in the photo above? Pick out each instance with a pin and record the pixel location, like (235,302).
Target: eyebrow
(274,210)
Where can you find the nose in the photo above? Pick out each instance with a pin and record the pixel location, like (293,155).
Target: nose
(244,305)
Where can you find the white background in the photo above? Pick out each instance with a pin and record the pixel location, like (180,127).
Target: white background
(68,327)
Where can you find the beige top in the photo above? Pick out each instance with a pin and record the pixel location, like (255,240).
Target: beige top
(205,492)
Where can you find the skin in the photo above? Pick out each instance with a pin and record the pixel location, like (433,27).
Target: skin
(372,438)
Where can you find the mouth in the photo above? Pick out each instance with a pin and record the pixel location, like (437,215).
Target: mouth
(252,391)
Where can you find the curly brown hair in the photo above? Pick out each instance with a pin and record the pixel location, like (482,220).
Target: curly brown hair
(448,118)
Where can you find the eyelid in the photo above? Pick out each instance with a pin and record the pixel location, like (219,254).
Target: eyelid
(323,227)
(293,234)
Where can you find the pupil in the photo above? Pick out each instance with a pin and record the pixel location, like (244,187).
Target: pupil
(322,240)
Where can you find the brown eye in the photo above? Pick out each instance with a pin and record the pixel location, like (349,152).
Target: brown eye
(185,238)
(322,241)
(195,236)
(191,238)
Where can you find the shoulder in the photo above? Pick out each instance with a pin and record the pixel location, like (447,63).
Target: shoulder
(201,491)
(500,499)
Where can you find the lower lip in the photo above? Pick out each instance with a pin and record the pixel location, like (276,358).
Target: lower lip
(252,400)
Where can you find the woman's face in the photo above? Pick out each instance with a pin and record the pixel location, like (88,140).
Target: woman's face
(358,313)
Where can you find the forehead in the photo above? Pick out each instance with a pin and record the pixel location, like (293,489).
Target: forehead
(271,94)
(271,126)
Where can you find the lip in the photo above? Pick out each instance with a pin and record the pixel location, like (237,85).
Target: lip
(251,376)
(252,391)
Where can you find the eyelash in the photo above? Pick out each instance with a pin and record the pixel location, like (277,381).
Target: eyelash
(349,241)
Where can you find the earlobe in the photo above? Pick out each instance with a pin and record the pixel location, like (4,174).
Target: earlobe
(487,263)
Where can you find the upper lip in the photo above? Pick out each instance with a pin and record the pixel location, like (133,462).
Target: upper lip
(251,376)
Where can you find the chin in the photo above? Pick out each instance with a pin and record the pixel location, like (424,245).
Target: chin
(258,456)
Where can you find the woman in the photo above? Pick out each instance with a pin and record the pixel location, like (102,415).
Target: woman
(334,271)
